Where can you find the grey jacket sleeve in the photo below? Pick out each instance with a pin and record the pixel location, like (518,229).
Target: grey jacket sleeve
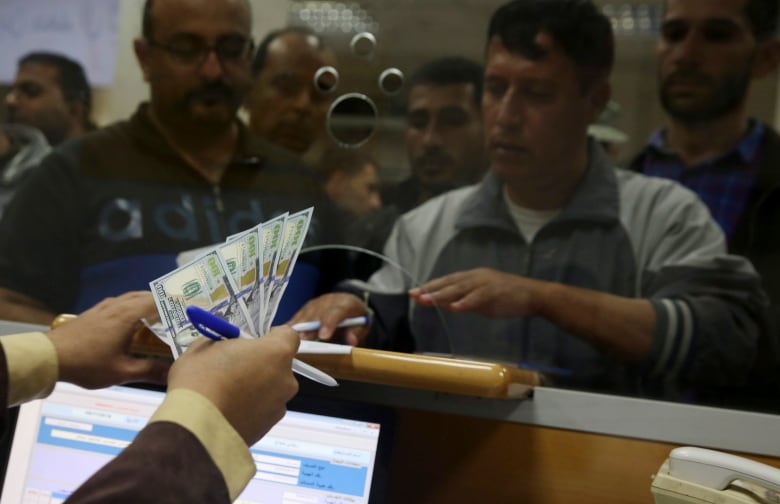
(416,241)
(710,307)
(392,277)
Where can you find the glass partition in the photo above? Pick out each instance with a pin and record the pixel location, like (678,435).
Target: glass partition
(374,41)
(373,51)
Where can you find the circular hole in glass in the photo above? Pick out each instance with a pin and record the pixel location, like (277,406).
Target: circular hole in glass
(391,81)
(363,45)
(352,119)
(326,79)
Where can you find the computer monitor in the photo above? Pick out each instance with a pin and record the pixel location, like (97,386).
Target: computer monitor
(308,457)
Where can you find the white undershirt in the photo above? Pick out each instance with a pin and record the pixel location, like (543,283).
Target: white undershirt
(528,221)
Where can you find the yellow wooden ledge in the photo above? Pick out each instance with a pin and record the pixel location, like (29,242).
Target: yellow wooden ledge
(438,374)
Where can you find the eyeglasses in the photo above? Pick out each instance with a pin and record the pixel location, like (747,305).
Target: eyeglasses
(193,51)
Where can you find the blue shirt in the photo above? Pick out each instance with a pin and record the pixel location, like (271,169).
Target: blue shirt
(724,182)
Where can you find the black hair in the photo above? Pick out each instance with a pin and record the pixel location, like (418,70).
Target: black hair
(762,16)
(71,77)
(146,20)
(262,49)
(451,70)
(578,27)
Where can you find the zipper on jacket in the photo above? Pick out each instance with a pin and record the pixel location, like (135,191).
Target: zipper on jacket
(218,222)
(218,203)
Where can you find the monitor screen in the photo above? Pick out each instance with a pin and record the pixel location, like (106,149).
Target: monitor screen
(307,457)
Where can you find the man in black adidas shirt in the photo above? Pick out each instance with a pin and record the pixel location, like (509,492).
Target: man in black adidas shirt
(111,211)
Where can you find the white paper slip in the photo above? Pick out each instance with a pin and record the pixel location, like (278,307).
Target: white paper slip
(323,347)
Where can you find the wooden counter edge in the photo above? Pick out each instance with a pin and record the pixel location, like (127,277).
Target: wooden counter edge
(438,374)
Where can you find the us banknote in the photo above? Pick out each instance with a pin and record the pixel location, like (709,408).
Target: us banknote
(204,282)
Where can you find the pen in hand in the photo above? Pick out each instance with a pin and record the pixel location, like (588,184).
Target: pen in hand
(215,328)
(314,325)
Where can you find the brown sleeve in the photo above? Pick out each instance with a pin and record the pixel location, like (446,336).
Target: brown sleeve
(165,463)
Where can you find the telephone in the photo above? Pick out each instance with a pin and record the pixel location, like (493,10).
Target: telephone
(699,475)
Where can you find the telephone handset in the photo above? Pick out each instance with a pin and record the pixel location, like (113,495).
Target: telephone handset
(717,470)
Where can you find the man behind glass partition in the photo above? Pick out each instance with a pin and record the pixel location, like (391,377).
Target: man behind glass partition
(444,145)
(111,211)
(285,105)
(50,92)
(49,102)
(708,54)
(351,179)
(443,131)
(601,278)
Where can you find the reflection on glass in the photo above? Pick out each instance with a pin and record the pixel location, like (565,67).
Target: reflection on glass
(418,35)
(352,119)
(334,17)
(326,79)
(391,81)
(363,45)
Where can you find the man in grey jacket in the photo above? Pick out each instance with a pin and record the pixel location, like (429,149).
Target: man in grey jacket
(602,279)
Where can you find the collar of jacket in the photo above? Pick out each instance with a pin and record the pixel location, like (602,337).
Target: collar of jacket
(250,150)
(594,200)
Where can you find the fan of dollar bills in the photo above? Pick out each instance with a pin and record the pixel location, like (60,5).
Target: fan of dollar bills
(241,280)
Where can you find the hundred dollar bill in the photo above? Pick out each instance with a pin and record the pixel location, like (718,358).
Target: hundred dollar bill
(204,282)
(271,234)
(295,229)
(242,254)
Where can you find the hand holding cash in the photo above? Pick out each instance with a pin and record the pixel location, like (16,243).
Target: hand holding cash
(240,282)
(217,329)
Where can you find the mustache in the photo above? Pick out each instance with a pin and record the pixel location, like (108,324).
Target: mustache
(434,156)
(685,75)
(213,90)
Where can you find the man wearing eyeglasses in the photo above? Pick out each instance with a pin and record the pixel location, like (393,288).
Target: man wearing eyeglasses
(112,211)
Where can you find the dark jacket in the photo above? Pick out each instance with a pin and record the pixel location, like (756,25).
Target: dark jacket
(110,211)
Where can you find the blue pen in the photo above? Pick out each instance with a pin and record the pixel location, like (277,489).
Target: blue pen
(218,329)
(314,325)
(211,326)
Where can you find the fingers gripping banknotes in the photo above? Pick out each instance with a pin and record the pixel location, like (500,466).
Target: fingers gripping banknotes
(204,282)
(241,281)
